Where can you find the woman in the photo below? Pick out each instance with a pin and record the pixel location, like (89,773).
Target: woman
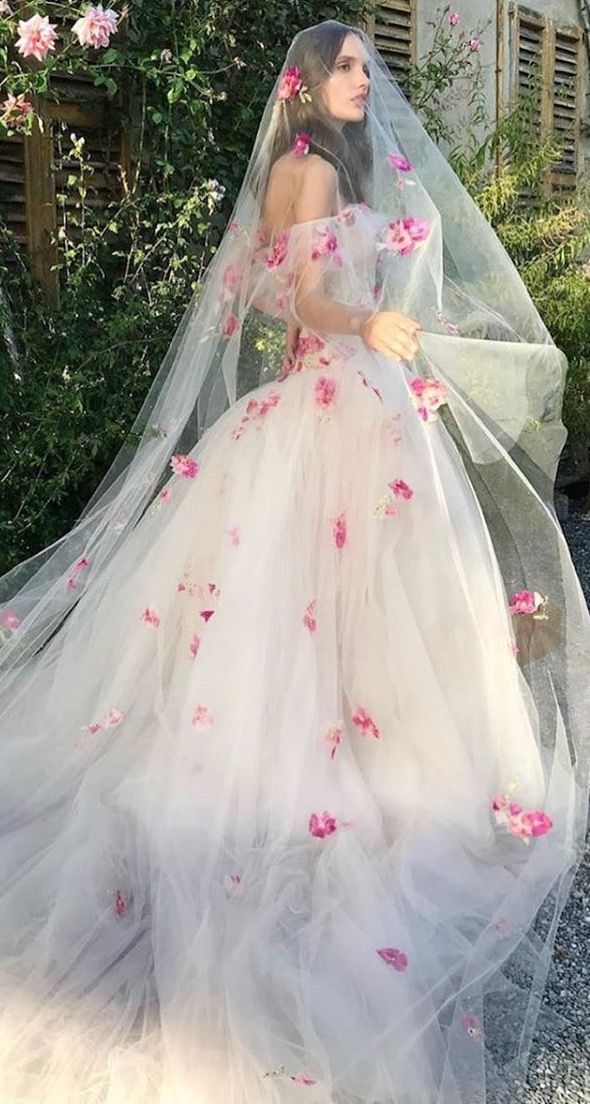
(294,739)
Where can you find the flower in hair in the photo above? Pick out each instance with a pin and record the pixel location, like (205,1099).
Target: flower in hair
(301,144)
(291,85)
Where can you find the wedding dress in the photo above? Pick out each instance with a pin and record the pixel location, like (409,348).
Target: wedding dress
(293,735)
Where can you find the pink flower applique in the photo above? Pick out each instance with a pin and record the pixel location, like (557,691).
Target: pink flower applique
(325,244)
(206,614)
(232,884)
(231,277)
(194,645)
(184,465)
(302,1079)
(256,411)
(427,395)
(301,143)
(325,391)
(401,489)
(365,723)
(510,814)
(9,620)
(473,1027)
(202,717)
(112,719)
(531,602)
(339,530)
(309,618)
(151,616)
(322,824)
(234,535)
(278,251)
(402,236)
(393,957)
(231,325)
(366,383)
(81,565)
(399,162)
(120,904)
(348,214)
(333,737)
(385,507)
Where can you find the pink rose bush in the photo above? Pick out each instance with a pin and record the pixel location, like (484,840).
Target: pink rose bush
(96,26)
(37,36)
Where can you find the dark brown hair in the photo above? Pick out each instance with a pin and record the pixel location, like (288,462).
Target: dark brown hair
(314,52)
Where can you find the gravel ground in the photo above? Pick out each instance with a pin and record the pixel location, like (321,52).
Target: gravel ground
(560,1067)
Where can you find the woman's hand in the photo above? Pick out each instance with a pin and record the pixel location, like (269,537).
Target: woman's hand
(391,333)
(291,339)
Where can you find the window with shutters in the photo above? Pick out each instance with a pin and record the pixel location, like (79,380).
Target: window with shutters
(546,67)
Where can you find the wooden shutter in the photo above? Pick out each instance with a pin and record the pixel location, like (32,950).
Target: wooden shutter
(546,61)
(13,206)
(566,104)
(392,28)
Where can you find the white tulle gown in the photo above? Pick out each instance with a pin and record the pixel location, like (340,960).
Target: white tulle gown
(248,850)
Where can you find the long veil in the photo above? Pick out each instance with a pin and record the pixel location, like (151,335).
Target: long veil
(485,348)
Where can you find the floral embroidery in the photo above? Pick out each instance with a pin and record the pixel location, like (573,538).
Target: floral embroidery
(202,717)
(322,824)
(9,620)
(256,410)
(367,384)
(364,722)
(399,162)
(325,244)
(334,737)
(113,718)
(291,85)
(325,391)
(348,214)
(473,1027)
(279,250)
(232,883)
(401,489)
(194,645)
(339,530)
(309,618)
(234,535)
(231,325)
(402,236)
(393,957)
(120,905)
(385,506)
(184,465)
(81,565)
(509,814)
(529,601)
(427,395)
(151,616)
(301,144)
(206,614)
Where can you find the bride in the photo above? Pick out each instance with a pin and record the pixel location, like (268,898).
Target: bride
(293,721)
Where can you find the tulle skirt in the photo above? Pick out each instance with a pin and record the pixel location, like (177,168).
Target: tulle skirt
(264,794)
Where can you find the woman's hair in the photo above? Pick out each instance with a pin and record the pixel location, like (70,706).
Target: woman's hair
(314,52)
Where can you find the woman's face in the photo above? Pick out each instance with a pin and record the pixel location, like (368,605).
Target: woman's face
(346,89)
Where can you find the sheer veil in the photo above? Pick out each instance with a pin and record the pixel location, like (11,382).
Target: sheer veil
(439,261)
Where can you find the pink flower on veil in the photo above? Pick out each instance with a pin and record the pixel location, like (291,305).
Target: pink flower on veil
(151,616)
(339,530)
(322,824)
(279,249)
(334,737)
(202,717)
(393,957)
(231,325)
(401,489)
(309,618)
(325,244)
(473,1027)
(428,394)
(302,1079)
(399,162)
(365,723)
(403,235)
(528,601)
(9,620)
(81,565)
(510,814)
(184,465)
(325,390)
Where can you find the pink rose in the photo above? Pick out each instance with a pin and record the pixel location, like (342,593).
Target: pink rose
(37,37)
(96,26)
(290,84)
